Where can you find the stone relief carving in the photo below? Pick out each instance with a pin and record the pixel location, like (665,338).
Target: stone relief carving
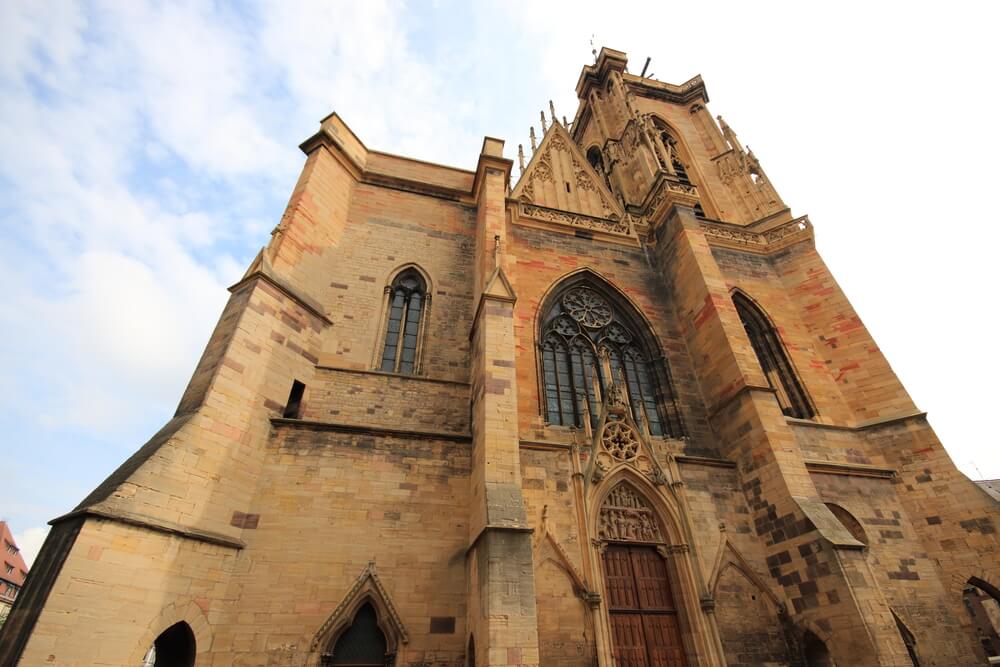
(543,171)
(625,516)
(735,236)
(670,188)
(528,193)
(584,182)
(610,224)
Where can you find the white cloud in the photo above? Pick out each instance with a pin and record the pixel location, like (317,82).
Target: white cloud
(29,541)
(149,148)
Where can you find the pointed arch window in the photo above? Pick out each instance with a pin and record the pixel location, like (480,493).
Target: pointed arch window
(586,343)
(406,303)
(673,149)
(773,359)
(363,644)
(596,160)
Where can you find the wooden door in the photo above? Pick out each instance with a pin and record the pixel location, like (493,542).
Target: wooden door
(644,627)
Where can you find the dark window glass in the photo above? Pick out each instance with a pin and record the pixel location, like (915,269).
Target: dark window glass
(175,647)
(363,644)
(580,322)
(402,331)
(293,408)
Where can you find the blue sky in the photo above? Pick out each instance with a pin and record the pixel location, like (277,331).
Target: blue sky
(147,150)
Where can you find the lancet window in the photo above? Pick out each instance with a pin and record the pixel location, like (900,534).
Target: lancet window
(773,360)
(586,344)
(363,644)
(671,145)
(405,306)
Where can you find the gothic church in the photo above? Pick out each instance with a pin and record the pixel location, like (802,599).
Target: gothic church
(608,407)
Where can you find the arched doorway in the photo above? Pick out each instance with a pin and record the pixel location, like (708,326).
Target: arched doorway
(175,647)
(362,644)
(645,628)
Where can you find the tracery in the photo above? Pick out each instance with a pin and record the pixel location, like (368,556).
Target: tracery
(587,343)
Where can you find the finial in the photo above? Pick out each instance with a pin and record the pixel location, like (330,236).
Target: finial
(565,124)
(496,249)
(593,49)
(520,156)
(552,113)
(544,127)
(729,135)
(534,147)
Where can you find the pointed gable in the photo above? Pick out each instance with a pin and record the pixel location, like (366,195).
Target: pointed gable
(559,177)
(499,287)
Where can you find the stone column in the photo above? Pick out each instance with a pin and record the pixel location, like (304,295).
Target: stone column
(502,615)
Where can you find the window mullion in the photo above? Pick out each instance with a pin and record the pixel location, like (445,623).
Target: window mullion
(402,330)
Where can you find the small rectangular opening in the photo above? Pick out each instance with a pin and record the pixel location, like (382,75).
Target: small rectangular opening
(293,409)
(444,625)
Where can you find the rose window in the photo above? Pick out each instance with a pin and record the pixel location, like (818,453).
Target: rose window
(620,441)
(587,307)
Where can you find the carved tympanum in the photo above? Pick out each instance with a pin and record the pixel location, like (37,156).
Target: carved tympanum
(625,517)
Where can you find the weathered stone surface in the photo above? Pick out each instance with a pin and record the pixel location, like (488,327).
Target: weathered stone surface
(479,532)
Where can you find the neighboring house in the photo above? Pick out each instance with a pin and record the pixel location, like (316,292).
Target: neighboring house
(12,573)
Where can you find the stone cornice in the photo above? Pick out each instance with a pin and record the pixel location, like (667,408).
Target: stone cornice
(620,231)
(860,426)
(415,187)
(708,461)
(395,376)
(154,524)
(666,192)
(725,235)
(497,528)
(692,90)
(325,140)
(850,469)
(369,430)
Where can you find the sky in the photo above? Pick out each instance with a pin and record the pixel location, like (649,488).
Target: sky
(148,148)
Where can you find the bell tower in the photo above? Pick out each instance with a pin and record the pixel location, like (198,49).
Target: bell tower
(657,145)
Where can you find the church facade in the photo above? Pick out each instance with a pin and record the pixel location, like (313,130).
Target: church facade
(610,409)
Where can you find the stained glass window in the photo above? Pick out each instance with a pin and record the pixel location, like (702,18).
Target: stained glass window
(587,342)
(407,296)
